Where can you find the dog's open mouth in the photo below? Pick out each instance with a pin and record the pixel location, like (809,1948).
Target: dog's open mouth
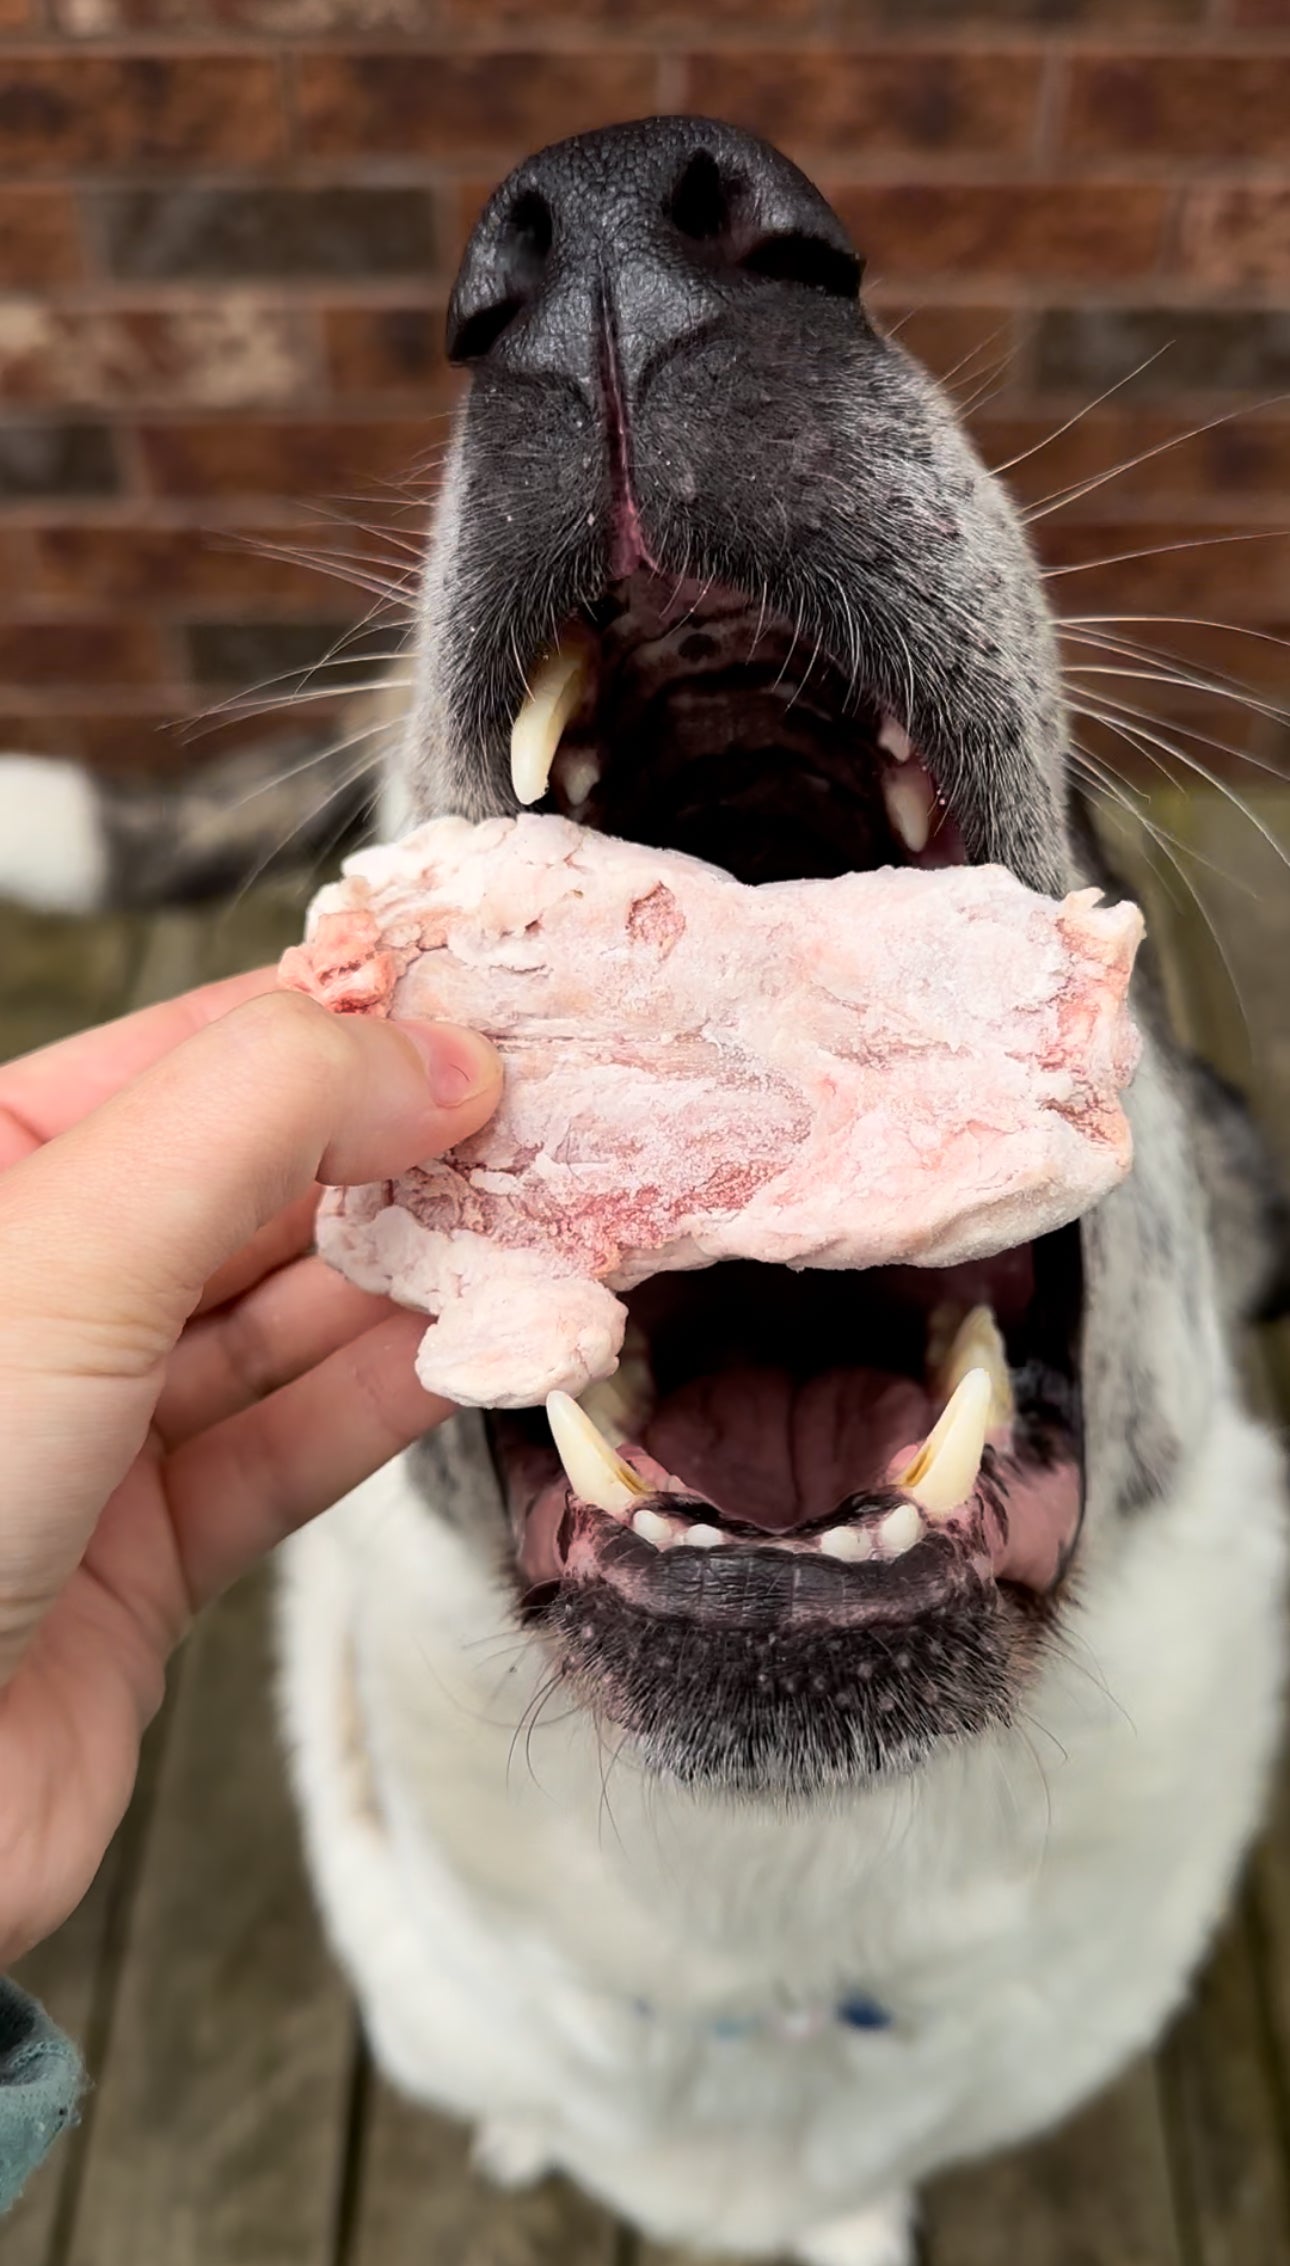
(783,1453)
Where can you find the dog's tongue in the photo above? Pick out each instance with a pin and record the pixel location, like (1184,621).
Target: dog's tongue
(779,1451)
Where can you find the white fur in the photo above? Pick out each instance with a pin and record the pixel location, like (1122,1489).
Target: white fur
(53,852)
(504,1889)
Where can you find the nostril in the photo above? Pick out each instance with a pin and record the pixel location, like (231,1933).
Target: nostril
(528,232)
(522,250)
(715,209)
(797,257)
(702,202)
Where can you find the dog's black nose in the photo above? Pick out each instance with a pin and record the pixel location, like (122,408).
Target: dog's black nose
(640,233)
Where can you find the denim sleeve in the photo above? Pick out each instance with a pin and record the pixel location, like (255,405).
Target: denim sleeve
(41,2081)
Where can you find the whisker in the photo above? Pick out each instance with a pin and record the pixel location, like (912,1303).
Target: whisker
(1190,886)
(1117,789)
(1181,621)
(1182,681)
(351,777)
(337,566)
(1160,551)
(992,383)
(1107,642)
(282,703)
(1062,496)
(310,763)
(1089,406)
(1141,731)
(983,345)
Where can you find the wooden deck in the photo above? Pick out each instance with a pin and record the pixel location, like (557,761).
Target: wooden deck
(235,2120)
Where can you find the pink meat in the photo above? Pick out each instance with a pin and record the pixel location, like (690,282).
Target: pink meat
(918,1066)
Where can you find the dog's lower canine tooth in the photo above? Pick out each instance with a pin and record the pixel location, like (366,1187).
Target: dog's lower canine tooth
(700,1537)
(943,1473)
(558,684)
(594,1472)
(978,1344)
(896,740)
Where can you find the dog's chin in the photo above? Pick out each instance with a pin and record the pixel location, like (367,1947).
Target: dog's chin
(766,1603)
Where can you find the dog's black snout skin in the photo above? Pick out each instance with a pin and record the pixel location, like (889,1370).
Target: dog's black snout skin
(625,244)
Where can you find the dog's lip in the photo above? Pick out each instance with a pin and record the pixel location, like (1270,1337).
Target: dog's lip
(758,1585)
(649,1557)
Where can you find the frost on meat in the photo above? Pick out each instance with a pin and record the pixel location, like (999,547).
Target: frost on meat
(918,1066)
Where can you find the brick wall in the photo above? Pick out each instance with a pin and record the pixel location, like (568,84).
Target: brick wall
(227,230)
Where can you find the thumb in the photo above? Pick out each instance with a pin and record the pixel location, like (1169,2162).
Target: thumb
(108,1234)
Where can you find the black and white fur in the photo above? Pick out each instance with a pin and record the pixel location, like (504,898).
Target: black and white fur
(546,1938)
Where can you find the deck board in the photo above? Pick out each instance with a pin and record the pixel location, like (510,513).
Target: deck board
(1097,2193)
(420,2202)
(234,2122)
(219,2135)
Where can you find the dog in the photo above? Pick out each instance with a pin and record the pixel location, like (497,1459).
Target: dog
(746,1910)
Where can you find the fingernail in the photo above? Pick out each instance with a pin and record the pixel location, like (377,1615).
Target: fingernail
(459,1064)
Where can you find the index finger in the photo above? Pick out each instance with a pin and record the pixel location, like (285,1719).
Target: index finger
(44,1093)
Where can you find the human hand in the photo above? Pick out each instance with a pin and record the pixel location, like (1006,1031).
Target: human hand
(181,1383)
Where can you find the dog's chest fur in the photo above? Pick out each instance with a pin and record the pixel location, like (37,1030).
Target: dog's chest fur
(549,1943)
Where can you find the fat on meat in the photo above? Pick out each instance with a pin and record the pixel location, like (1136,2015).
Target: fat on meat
(908,1065)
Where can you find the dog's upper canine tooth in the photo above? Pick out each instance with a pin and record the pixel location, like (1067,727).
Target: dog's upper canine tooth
(896,740)
(594,1472)
(978,1344)
(910,799)
(557,686)
(943,1473)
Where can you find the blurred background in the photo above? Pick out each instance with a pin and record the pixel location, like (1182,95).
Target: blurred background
(227,233)
(228,229)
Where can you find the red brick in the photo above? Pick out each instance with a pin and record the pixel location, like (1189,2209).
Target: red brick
(453,105)
(39,239)
(31,731)
(304,456)
(1260,15)
(1242,456)
(388,350)
(15,562)
(1045,15)
(220,352)
(1155,352)
(118,651)
(276,19)
(490,19)
(1191,107)
(874,101)
(1237,236)
(149,736)
(275,651)
(62,111)
(57,459)
(1078,232)
(188,568)
(200,232)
